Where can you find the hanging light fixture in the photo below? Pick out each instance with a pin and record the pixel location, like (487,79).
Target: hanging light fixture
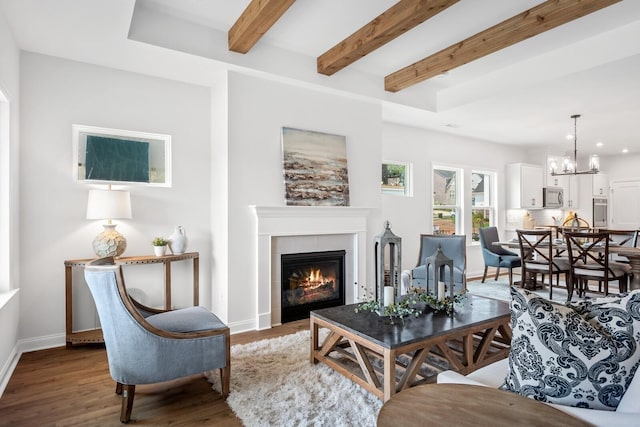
(570,166)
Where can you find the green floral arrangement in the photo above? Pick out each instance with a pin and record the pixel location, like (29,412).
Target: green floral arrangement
(407,305)
(400,309)
(447,304)
(160,241)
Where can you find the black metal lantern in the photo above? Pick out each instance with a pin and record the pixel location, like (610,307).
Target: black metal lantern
(388,269)
(438,261)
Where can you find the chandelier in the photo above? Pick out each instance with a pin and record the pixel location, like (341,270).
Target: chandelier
(570,166)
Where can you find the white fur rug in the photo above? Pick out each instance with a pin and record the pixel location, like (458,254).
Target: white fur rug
(274,384)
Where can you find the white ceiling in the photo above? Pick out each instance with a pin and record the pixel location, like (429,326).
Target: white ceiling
(522,95)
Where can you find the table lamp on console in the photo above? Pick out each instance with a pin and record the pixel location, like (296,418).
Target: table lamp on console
(109,204)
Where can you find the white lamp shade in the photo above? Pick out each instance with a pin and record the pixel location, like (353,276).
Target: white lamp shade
(108,204)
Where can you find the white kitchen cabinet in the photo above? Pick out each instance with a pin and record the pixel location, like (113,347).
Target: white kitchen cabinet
(600,185)
(555,181)
(524,186)
(569,183)
(571,194)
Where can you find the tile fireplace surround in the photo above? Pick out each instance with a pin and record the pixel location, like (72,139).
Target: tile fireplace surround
(348,224)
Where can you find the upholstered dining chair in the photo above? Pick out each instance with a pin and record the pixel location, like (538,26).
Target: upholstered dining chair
(453,247)
(145,345)
(537,253)
(496,256)
(589,260)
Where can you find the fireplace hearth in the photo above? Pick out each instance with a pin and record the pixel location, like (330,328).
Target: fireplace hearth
(311,281)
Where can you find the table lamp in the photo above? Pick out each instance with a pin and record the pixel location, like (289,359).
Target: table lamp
(109,204)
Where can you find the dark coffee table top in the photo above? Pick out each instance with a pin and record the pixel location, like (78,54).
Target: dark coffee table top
(475,311)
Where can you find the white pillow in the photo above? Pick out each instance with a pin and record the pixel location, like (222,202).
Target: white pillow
(582,354)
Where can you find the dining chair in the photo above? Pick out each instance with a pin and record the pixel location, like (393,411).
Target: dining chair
(453,247)
(537,254)
(495,255)
(589,260)
(145,345)
(627,238)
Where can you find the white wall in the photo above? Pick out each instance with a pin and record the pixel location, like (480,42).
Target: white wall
(57,93)
(625,167)
(411,216)
(9,224)
(258,109)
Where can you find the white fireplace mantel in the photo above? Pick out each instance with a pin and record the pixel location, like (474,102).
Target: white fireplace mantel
(275,221)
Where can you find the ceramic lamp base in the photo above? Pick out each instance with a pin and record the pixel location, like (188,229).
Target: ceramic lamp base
(109,242)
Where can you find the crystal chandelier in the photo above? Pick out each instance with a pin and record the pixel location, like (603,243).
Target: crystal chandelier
(570,166)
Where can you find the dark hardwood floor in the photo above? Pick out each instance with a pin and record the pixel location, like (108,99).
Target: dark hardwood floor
(72,387)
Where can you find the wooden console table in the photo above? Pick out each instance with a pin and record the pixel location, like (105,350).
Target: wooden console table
(95,335)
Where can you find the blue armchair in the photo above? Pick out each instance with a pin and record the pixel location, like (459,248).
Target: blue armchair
(453,247)
(145,345)
(496,256)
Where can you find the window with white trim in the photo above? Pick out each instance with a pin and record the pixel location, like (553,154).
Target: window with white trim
(482,202)
(446,200)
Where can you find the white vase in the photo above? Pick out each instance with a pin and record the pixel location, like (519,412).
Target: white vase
(159,250)
(178,241)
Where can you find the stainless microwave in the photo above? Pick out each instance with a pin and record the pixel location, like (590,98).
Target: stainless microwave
(552,197)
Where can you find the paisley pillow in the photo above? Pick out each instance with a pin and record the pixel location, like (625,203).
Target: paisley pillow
(583,354)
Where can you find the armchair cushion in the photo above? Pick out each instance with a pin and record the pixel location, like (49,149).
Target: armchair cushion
(189,319)
(584,354)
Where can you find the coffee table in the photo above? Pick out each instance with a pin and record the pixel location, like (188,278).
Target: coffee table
(386,358)
(469,405)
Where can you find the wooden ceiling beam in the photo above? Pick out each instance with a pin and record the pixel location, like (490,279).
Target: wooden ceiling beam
(254,22)
(395,21)
(532,22)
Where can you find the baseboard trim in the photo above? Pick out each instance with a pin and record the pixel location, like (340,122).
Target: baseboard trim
(8,368)
(244,326)
(42,343)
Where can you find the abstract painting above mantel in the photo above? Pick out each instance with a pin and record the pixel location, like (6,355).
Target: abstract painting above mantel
(315,168)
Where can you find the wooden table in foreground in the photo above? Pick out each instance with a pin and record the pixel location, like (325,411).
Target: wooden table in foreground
(95,335)
(477,335)
(469,405)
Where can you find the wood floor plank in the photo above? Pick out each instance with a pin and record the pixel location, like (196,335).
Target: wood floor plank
(72,387)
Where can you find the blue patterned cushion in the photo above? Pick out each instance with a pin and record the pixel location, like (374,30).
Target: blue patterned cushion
(582,354)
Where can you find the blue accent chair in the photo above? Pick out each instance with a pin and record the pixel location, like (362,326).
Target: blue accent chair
(496,256)
(453,247)
(145,345)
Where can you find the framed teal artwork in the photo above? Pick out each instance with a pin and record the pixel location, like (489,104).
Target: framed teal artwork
(114,156)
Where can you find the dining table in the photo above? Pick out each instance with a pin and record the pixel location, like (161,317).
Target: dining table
(631,253)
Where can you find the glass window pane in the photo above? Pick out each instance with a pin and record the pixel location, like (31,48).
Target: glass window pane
(480,189)
(444,221)
(444,187)
(479,218)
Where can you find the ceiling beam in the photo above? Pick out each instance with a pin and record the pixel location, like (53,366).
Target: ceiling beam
(532,22)
(256,20)
(395,21)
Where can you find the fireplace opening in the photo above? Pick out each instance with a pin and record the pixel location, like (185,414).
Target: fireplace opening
(311,281)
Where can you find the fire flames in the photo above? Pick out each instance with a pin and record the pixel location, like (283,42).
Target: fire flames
(317,279)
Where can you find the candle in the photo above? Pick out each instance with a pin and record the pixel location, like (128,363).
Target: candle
(441,291)
(388,295)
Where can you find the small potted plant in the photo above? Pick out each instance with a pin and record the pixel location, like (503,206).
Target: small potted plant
(160,246)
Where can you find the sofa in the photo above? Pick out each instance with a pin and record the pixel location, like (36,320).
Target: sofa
(627,413)
(581,357)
